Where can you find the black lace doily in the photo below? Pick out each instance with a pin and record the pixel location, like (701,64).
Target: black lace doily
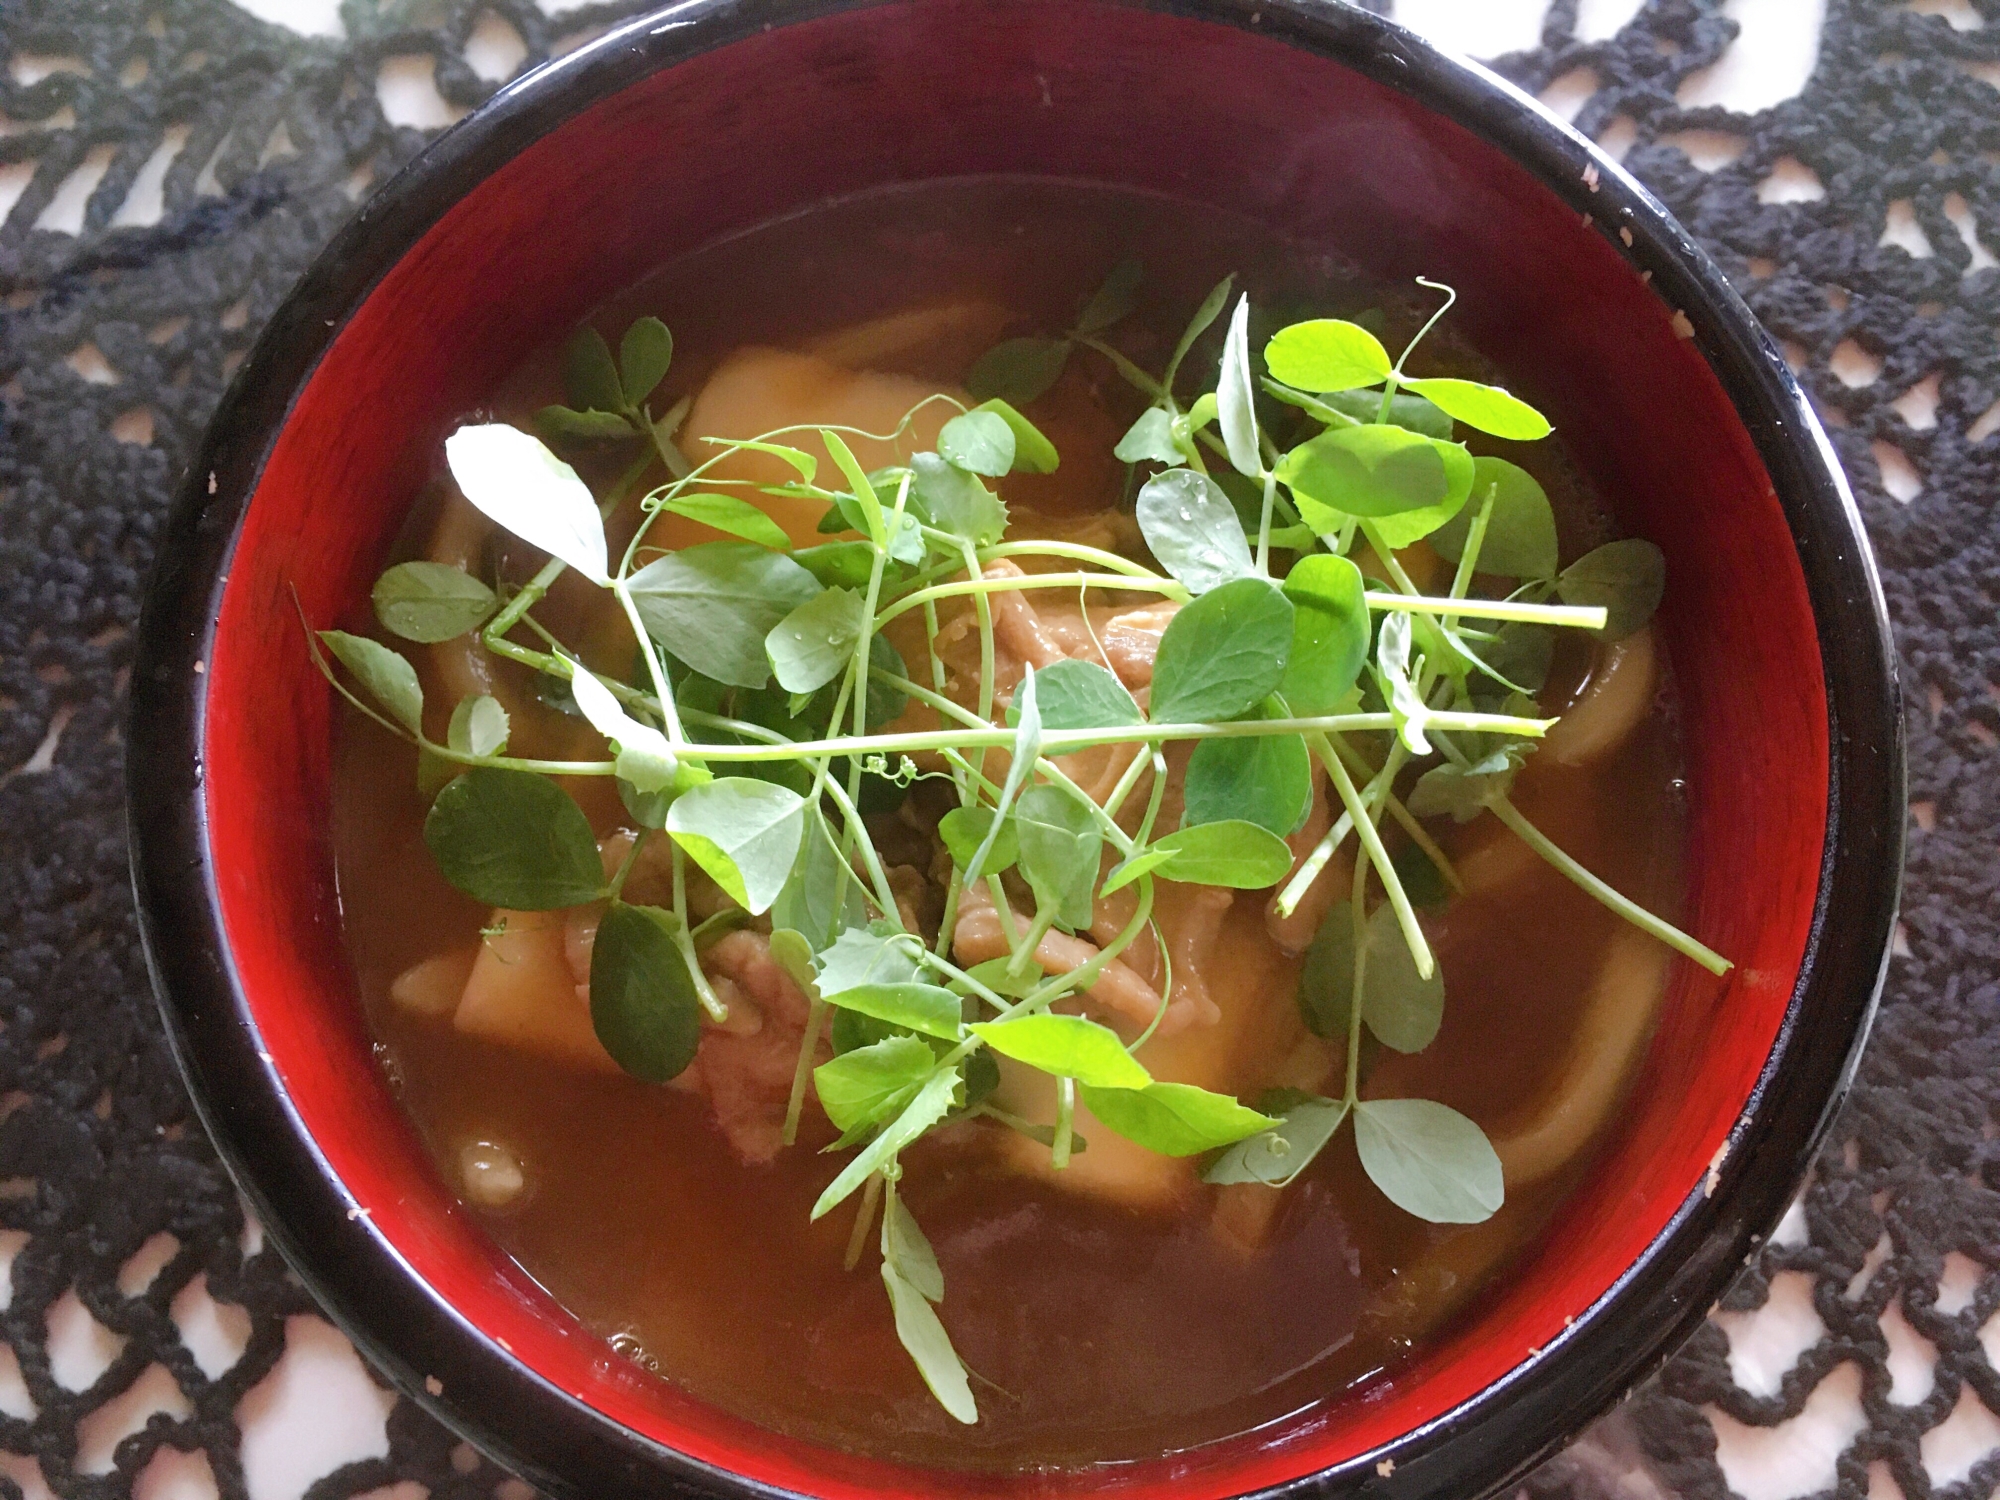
(179,163)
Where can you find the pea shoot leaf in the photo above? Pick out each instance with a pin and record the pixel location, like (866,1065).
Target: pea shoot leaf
(1486,407)
(390,680)
(1066,1047)
(802,462)
(643,357)
(980,442)
(1409,526)
(510,477)
(839,564)
(647,809)
(996,974)
(860,956)
(905,1246)
(589,376)
(744,833)
(868,1084)
(929,1346)
(954,501)
(1405,410)
(1236,854)
(1113,299)
(1078,694)
(581,426)
(1150,440)
(1403,1009)
(964,829)
(738,518)
(1393,666)
(873,519)
(1367,471)
(1027,716)
(1126,871)
(928,1008)
(1327,354)
(1520,654)
(431,602)
(1223,654)
(1330,632)
(1210,309)
(643,756)
(1193,529)
(1236,395)
(1262,779)
(1346,408)
(1423,882)
(1018,370)
(930,1104)
(1429,1160)
(1626,577)
(1467,791)
(478,727)
(642,1000)
(1326,978)
(1520,540)
(821,898)
(714,604)
(1276,1157)
(1400,1008)
(1033,452)
(1060,848)
(514,839)
(814,644)
(1174,1119)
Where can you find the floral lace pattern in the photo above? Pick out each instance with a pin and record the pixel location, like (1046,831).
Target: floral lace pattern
(172,165)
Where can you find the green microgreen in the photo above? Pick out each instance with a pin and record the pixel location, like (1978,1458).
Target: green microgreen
(754,731)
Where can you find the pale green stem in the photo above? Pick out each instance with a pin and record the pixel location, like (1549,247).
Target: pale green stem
(1371,842)
(684,940)
(1475,538)
(885,895)
(1006,584)
(1065,1122)
(1264,523)
(1111,562)
(1630,910)
(1057,742)
(1125,784)
(654,669)
(1357,914)
(1579,617)
(802,1070)
(863,1217)
(1405,819)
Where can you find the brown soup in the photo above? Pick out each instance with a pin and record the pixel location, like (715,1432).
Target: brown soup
(1123,1311)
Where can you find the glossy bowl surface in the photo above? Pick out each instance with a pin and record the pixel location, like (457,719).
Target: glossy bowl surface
(1329,123)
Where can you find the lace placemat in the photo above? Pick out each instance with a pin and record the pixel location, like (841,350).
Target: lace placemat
(172,165)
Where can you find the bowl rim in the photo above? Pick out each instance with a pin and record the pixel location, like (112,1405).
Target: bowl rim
(559,1442)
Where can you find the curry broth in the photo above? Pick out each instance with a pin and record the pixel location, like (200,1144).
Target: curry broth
(1095,1330)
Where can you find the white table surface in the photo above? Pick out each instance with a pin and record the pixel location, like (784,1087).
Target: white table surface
(319,1409)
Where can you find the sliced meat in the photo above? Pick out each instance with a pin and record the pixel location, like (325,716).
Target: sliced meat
(745,1070)
(979,937)
(1132,641)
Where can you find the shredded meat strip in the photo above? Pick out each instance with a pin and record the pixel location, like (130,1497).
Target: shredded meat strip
(1119,992)
(746,1074)
(979,937)
(1017,628)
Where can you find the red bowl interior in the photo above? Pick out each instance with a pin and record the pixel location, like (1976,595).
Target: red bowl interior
(1084,89)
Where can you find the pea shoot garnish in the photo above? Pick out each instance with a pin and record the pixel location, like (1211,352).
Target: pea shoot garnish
(765,711)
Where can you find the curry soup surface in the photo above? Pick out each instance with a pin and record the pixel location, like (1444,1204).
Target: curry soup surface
(1115,1316)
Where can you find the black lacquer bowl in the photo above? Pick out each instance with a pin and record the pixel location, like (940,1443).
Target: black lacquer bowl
(1328,124)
